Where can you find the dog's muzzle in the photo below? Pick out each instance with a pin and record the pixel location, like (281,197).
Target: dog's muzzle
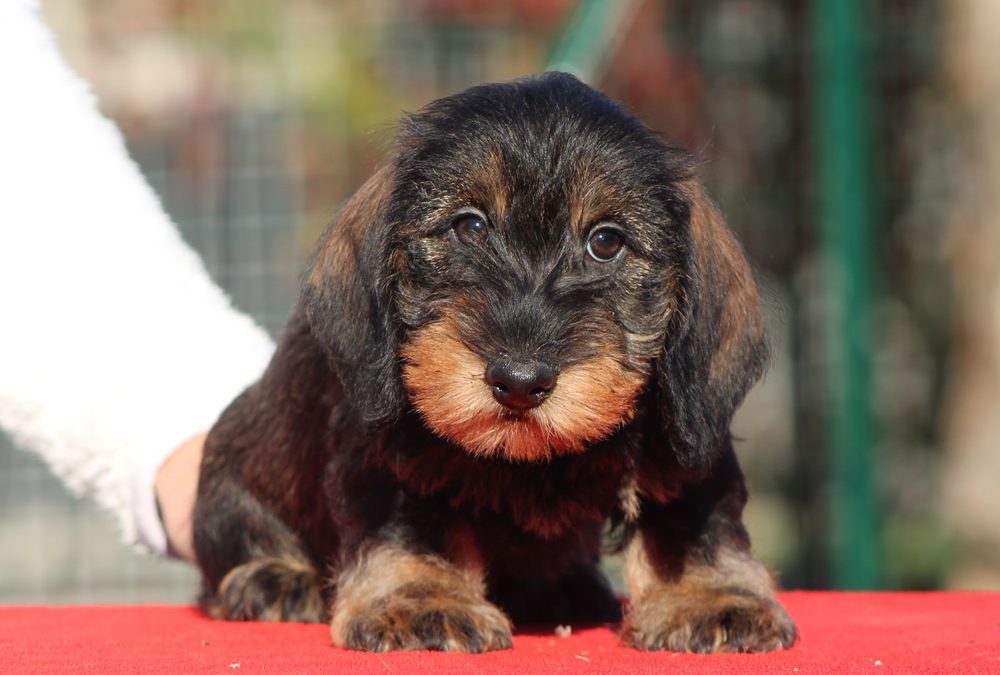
(520,385)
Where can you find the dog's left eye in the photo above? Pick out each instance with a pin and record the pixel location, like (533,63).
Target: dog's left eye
(470,226)
(605,243)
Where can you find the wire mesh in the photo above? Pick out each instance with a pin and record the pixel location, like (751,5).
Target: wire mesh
(254,123)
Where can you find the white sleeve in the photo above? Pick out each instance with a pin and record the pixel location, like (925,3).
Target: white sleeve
(115,344)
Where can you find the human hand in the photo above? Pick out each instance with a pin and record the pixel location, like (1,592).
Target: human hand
(176,487)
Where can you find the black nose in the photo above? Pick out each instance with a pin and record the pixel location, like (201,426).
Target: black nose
(520,384)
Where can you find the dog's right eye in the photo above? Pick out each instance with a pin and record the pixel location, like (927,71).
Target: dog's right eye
(469,227)
(605,243)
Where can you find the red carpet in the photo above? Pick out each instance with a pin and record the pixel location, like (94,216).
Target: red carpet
(839,632)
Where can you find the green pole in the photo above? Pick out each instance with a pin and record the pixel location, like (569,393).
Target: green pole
(845,202)
(590,37)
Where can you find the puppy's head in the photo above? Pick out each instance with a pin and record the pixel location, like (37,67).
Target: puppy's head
(529,263)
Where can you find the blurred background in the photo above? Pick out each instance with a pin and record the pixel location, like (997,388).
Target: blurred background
(854,147)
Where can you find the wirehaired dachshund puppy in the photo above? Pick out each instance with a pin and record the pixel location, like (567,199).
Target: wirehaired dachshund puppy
(530,323)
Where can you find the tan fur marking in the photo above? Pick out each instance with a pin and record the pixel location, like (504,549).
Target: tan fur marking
(387,593)
(240,598)
(338,252)
(445,381)
(718,253)
(576,215)
(486,187)
(695,610)
(494,184)
(590,196)
(731,568)
(630,499)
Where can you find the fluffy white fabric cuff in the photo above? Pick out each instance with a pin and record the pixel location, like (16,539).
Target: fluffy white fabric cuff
(117,345)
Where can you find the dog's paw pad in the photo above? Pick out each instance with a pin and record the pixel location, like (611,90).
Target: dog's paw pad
(269,589)
(719,623)
(438,622)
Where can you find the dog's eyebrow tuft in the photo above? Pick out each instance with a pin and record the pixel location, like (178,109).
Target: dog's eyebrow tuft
(488,184)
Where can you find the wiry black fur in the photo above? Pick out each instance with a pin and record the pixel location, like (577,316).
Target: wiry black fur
(325,458)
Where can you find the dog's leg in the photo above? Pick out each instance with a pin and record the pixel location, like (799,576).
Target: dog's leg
(254,566)
(392,598)
(693,582)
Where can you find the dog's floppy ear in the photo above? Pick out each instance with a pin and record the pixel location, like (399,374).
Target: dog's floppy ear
(715,349)
(348,298)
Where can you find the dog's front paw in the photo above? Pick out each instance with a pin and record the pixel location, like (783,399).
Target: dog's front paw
(712,622)
(422,620)
(268,589)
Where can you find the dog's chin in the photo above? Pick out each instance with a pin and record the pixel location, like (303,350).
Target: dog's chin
(445,383)
(515,436)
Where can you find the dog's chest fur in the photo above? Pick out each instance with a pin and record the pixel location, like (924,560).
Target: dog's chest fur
(542,499)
